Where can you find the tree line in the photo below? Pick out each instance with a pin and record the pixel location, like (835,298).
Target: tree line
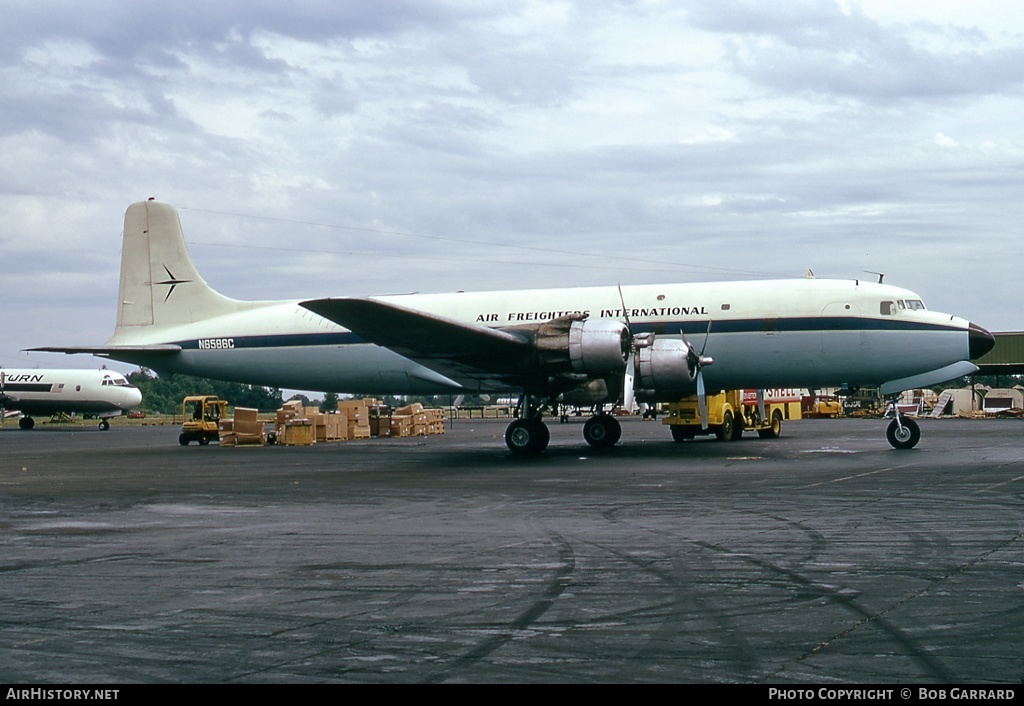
(163,394)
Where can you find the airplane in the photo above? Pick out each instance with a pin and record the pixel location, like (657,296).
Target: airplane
(103,393)
(589,346)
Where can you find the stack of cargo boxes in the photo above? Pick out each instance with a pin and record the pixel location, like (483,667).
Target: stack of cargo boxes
(293,427)
(380,418)
(414,420)
(244,429)
(297,425)
(358,416)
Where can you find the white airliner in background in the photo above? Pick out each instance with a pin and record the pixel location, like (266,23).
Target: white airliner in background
(102,393)
(586,346)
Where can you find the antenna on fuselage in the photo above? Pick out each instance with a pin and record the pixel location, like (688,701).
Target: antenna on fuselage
(881,276)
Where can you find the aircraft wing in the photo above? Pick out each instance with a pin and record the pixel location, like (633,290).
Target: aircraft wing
(453,348)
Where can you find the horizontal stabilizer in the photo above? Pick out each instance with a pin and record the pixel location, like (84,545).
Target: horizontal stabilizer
(950,372)
(165,348)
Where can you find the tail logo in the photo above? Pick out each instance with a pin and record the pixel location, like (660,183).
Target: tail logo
(172,282)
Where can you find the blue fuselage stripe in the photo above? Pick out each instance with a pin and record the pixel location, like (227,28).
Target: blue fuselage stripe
(689,327)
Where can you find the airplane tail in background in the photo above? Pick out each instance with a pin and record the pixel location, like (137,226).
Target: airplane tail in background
(159,284)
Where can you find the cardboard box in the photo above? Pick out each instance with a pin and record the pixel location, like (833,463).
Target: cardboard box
(298,433)
(246,414)
(401,425)
(249,439)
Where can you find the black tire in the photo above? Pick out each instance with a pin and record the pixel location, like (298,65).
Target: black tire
(184,439)
(524,437)
(682,432)
(725,432)
(775,430)
(26,423)
(905,438)
(543,435)
(204,439)
(104,425)
(602,431)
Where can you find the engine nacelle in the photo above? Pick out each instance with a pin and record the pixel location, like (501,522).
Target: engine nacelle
(663,366)
(596,348)
(592,392)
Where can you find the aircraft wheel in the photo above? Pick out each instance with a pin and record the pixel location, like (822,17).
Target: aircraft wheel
(905,438)
(526,437)
(104,425)
(602,431)
(184,439)
(775,430)
(26,423)
(725,431)
(682,433)
(543,435)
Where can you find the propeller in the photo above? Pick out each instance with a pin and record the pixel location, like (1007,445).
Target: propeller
(630,372)
(697,361)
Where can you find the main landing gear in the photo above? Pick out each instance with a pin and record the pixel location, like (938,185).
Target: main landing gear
(602,431)
(529,435)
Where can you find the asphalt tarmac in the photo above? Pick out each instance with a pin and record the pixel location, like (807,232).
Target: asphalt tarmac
(822,557)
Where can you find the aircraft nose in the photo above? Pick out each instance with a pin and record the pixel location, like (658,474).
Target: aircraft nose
(980,341)
(132,398)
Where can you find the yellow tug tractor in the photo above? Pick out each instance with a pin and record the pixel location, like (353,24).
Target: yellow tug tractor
(201,415)
(733,412)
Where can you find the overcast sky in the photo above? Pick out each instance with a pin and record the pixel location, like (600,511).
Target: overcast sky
(350,148)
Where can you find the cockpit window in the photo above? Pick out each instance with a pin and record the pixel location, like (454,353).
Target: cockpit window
(889,308)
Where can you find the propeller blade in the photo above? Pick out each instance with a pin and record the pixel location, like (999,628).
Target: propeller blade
(627,376)
(625,312)
(627,386)
(702,401)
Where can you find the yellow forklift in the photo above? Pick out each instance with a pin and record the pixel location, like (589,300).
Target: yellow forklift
(201,415)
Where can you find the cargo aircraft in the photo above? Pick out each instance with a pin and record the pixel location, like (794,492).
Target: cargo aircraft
(102,393)
(589,346)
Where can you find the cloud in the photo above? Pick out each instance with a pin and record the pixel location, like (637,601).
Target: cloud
(366,147)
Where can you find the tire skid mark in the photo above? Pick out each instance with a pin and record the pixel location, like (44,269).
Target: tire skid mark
(559,581)
(880,615)
(706,604)
(683,594)
(837,596)
(932,666)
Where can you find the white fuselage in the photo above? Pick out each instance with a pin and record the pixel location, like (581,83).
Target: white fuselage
(785,333)
(104,393)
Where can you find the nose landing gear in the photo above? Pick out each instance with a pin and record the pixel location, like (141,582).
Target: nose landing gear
(903,432)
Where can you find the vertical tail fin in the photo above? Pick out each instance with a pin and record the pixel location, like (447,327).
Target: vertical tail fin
(159,284)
